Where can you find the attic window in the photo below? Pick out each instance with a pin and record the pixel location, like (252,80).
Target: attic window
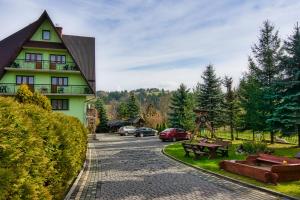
(46,35)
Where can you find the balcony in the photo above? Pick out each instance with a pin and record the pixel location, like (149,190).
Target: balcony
(48,89)
(43,65)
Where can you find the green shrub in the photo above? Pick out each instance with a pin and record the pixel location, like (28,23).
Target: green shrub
(250,147)
(41,101)
(40,151)
(24,95)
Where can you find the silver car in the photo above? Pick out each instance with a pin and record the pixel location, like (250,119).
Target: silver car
(126,130)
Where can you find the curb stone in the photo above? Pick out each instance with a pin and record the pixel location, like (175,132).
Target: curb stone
(284,196)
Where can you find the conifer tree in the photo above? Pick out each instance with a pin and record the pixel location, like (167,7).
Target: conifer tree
(250,100)
(181,114)
(287,111)
(210,96)
(122,110)
(102,127)
(265,67)
(230,105)
(132,106)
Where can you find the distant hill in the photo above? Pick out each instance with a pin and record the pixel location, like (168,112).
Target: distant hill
(159,98)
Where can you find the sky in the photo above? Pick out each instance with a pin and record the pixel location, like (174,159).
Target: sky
(159,43)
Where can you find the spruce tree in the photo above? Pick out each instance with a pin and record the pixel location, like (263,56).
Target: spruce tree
(287,112)
(181,114)
(122,110)
(265,67)
(210,96)
(230,105)
(132,106)
(102,127)
(251,101)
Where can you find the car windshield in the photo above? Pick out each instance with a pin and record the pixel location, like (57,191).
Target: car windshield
(129,127)
(168,129)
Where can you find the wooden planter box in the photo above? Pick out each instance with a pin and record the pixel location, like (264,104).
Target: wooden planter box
(265,168)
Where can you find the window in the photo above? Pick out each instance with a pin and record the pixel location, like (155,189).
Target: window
(60,104)
(62,81)
(24,80)
(33,57)
(59,59)
(46,35)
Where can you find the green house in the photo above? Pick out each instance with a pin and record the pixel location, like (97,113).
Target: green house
(60,66)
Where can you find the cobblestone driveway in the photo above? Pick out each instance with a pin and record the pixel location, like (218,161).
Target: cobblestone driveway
(134,168)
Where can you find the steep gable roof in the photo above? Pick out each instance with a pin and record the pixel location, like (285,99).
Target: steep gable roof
(82,49)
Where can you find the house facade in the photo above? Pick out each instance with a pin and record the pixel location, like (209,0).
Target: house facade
(62,67)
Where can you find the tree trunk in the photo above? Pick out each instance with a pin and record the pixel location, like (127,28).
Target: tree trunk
(298,130)
(253,135)
(272,137)
(231,132)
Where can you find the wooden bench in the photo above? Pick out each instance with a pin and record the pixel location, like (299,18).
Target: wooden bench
(270,159)
(224,149)
(187,148)
(192,148)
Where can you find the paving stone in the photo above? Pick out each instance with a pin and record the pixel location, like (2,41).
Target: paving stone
(135,169)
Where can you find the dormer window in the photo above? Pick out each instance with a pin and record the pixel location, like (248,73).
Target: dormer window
(46,35)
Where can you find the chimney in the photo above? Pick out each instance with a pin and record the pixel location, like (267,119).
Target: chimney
(59,30)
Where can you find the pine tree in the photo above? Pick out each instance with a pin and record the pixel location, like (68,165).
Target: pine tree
(287,112)
(181,114)
(210,96)
(265,67)
(102,127)
(230,104)
(250,100)
(132,106)
(122,111)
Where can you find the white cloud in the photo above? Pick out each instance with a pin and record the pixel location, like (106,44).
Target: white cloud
(137,33)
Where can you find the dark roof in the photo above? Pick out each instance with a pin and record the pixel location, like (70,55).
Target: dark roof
(82,49)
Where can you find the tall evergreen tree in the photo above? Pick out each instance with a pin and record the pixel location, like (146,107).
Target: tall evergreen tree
(251,100)
(265,67)
(181,114)
(122,111)
(230,104)
(132,106)
(287,112)
(99,105)
(210,96)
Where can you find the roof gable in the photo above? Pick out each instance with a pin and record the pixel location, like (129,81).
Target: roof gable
(46,25)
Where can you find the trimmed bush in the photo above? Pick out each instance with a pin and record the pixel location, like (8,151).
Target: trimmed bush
(254,147)
(40,151)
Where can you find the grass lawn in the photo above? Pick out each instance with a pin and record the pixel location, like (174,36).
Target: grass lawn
(289,188)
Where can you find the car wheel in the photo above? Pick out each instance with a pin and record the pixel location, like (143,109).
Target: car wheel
(142,135)
(174,139)
(163,140)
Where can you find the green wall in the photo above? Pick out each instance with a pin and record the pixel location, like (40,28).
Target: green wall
(45,53)
(37,36)
(77,106)
(42,77)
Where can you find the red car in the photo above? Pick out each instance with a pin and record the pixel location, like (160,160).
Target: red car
(174,134)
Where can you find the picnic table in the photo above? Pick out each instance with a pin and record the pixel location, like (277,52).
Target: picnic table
(212,148)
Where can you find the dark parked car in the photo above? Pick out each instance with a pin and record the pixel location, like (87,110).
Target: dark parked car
(174,134)
(144,131)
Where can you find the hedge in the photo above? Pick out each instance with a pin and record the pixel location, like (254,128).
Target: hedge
(40,151)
